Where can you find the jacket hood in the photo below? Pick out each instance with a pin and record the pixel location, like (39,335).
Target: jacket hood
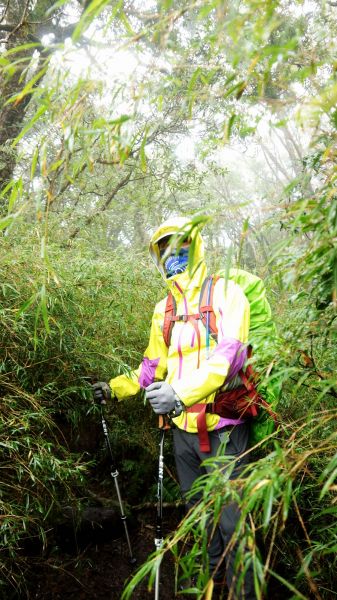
(195,272)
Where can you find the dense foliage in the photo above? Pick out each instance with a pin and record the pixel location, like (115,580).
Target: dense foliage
(114,116)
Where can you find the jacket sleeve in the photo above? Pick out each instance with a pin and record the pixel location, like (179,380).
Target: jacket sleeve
(231,308)
(153,366)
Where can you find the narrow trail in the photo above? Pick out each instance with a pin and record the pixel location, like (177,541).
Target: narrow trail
(101,571)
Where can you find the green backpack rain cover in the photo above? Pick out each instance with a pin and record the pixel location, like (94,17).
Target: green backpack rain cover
(263,339)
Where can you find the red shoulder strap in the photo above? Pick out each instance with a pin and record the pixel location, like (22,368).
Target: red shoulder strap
(170,311)
(205,309)
(206,305)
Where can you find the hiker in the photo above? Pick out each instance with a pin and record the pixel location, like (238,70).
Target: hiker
(183,368)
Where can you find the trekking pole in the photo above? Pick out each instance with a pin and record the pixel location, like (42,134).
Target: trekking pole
(163,426)
(114,475)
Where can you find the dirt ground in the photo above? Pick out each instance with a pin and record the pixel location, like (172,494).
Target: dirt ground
(101,571)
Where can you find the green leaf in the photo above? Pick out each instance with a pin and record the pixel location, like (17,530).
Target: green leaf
(206,9)
(16,193)
(126,22)
(44,310)
(245,226)
(334,290)
(23,308)
(17,98)
(229,127)
(7,221)
(56,5)
(91,12)
(122,119)
(287,496)
(194,79)
(288,585)
(55,166)
(235,88)
(34,162)
(332,469)
(6,189)
(114,10)
(40,111)
(191,254)
(17,49)
(268,503)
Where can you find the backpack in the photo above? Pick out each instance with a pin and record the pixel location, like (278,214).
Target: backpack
(247,400)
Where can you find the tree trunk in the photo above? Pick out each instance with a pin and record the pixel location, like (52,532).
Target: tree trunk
(21,24)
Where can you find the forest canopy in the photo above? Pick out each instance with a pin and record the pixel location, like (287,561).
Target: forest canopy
(115,115)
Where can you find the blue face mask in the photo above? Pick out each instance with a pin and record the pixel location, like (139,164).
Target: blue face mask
(176,263)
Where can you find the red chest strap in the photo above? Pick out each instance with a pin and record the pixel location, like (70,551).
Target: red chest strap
(206,313)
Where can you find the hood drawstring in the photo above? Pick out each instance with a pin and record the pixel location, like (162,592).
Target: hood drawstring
(209,291)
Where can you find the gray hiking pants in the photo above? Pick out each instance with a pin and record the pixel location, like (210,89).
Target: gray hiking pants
(188,461)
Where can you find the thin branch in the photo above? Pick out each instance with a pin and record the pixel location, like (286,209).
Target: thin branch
(120,185)
(312,584)
(22,20)
(103,208)
(5,11)
(329,392)
(60,34)
(8,26)
(68,182)
(49,20)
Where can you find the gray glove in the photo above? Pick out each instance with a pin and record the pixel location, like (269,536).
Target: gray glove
(162,397)
(101,392)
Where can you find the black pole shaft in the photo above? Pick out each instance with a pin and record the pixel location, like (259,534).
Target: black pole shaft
(159,522)
(114,475)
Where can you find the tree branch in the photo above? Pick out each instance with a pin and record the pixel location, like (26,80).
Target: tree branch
(5,11)
(22,20)
(8,26)
(103,208)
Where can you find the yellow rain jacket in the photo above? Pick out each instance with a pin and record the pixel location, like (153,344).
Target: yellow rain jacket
(194,376)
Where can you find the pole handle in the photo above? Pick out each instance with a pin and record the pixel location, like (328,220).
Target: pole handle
(163,422)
